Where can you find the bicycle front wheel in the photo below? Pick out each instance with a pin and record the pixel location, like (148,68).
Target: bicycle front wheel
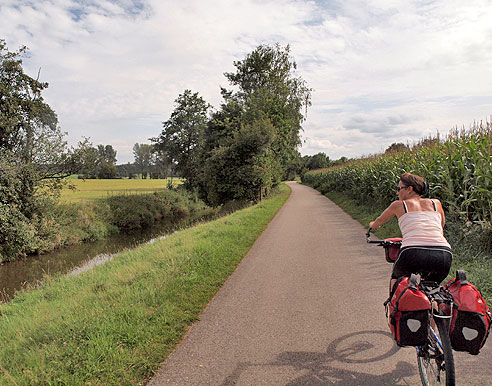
(436,363)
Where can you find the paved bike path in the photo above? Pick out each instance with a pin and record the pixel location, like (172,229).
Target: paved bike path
(304,307)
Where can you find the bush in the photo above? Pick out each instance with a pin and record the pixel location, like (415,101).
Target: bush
(16,233)
(18,207)
(140,211)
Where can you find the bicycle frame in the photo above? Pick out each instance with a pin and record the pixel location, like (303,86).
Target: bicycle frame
(434,336)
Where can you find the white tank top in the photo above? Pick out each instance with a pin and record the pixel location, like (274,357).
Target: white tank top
(422,229)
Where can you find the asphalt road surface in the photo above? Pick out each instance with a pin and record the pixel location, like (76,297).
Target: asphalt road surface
(305,307)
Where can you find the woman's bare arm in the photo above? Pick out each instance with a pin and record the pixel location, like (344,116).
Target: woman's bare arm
(387,215)
(441,210)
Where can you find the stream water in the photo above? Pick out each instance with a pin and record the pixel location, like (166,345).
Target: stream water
(22,273)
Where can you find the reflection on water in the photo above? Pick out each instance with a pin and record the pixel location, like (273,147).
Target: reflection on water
(30,271)
(103,258)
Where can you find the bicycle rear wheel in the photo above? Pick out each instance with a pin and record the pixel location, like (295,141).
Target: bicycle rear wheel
(436,363)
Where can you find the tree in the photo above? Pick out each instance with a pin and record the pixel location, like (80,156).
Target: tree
(99,162)
(90,162)
(24,116)
(317,161)
(34,159)
(29,131)
(159,166)
(269,89)
(244,167)
(182,138)
(252,141)
(143,158)
(396,147)
(127,170)
(106,163)
(340,161)
(224,122)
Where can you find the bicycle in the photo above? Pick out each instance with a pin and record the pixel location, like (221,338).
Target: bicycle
(434,359)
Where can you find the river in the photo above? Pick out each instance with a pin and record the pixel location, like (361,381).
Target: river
(28,272)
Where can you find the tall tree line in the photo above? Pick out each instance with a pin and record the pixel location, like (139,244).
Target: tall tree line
(246,147)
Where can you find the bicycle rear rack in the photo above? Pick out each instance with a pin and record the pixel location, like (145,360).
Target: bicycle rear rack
(441,297)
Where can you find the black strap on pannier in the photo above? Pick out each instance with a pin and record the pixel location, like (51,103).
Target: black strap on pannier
(413,283)
(461,276)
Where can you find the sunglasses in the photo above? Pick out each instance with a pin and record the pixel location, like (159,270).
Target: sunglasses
(398,188)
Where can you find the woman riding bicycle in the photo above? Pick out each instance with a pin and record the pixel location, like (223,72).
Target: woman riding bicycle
(421,220)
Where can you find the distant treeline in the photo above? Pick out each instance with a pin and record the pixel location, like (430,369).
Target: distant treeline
(159,171)
(100,162)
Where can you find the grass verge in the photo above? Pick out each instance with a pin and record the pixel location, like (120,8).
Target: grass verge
(116,324)
(471,247)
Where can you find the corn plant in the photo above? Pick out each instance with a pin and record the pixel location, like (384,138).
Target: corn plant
(458,169)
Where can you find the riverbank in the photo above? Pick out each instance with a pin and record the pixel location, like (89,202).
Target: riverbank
(70,223)
(29,272)
(117,323)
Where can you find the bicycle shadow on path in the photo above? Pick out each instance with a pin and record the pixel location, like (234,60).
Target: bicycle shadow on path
(330,368)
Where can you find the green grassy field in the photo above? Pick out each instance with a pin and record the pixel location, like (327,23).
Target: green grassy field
(116,324)
(86,190)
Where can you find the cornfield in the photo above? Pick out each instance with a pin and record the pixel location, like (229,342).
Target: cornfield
(457,168)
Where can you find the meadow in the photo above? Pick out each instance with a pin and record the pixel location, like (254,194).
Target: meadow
(91,189)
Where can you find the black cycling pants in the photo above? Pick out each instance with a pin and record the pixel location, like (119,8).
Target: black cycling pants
(433,263)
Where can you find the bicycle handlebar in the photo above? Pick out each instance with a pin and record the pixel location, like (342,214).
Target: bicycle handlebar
(382,243)
(368,237)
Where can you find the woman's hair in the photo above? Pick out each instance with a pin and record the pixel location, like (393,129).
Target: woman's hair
(419,185)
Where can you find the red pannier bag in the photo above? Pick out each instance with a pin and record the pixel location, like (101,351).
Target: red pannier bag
(471,319)
(408,309)
(391,251)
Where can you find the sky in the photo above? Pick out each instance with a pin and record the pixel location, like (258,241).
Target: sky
(382,71)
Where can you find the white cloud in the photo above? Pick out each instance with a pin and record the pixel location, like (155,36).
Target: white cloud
(382,71)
